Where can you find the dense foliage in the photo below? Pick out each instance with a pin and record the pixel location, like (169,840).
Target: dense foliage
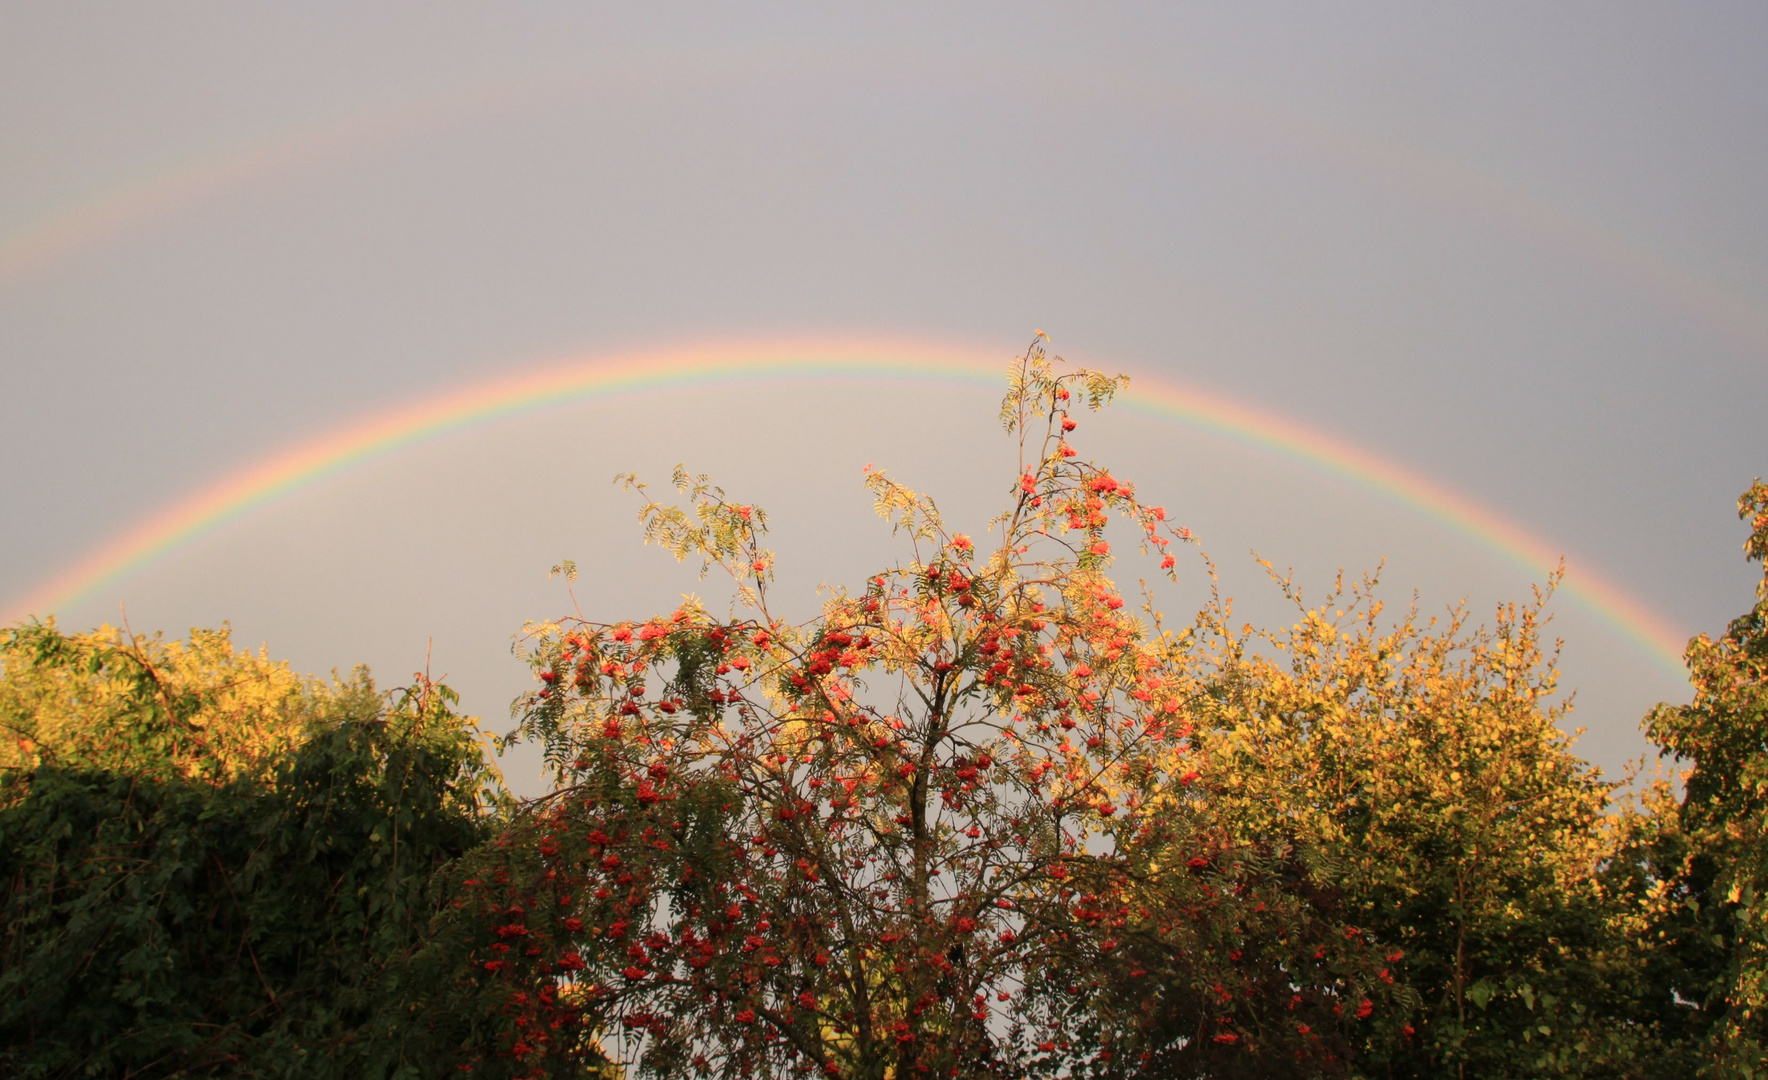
(213,868)
(1465,834)
(983,815)
(1710,851)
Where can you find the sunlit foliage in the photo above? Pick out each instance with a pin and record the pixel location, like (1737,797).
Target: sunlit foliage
(1427,762)
(193,709)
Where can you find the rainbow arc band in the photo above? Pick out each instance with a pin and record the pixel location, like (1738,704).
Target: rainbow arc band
(560,384)
(103,215)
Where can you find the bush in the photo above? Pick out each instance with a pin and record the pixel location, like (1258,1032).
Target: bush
(173,907)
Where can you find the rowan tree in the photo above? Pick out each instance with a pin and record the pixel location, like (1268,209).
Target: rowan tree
(949,826)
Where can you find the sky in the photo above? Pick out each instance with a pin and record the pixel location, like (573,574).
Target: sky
(1515,253)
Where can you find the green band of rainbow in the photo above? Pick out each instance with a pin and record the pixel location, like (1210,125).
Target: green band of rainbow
(561,384)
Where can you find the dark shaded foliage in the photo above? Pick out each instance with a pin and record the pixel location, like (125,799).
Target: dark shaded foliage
(163,926)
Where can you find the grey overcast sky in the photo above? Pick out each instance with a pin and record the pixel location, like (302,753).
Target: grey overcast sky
(1519,249)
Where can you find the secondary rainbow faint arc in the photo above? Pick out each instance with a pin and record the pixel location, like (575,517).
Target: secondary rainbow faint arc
(108,212)
(542,387)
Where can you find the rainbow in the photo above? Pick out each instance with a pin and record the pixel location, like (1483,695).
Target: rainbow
(560,384)
(104,215)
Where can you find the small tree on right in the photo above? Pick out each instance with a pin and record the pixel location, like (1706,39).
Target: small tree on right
(1709,851)
(1423,769)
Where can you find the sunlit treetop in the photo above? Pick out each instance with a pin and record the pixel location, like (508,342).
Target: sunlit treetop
(891,839)
(116,700)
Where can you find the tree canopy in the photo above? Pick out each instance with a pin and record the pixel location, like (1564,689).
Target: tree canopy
(987,813)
